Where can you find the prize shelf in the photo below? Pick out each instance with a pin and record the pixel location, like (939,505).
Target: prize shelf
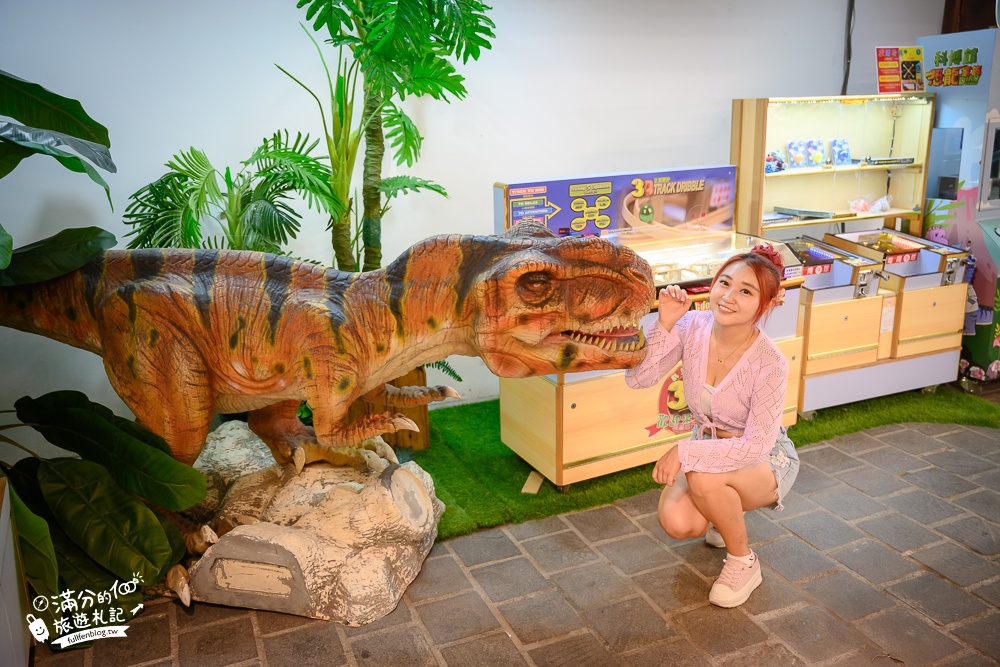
(843,216)
(844,168)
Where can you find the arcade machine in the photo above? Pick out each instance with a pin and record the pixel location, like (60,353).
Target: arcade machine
(963,187)
(575,426)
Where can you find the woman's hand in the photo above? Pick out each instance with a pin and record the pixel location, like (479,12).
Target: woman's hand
(666,469)
(674,302)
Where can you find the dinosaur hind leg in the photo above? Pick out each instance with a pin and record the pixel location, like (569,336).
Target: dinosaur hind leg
(166,388)
(352,444)
(291,441)
(182,418)
(279,426)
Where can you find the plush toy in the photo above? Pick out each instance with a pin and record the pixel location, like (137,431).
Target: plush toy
(937,234)
(774,162)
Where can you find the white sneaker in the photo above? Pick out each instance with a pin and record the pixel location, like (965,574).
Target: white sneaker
(735,583)
(713,538)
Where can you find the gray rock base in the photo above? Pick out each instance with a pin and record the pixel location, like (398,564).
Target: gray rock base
(330,543)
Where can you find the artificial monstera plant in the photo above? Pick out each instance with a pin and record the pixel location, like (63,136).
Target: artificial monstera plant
(45,123)
(82,522)
(89,522)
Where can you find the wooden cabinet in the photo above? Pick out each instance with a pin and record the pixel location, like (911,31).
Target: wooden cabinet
(840,334)
(792,349)
(929,320)
(843,149)
(583,426)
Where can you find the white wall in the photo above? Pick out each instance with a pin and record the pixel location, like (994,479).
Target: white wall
(570,87)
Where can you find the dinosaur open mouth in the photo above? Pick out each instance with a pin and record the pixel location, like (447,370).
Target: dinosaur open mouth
(618,339)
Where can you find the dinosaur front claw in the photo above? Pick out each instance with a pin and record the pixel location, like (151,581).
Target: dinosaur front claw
(382,449)
(299,459)
(448,392)
(371,456)
(373,461)
(177,581)
(401,423)
(198,542)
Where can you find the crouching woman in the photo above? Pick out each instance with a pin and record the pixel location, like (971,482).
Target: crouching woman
(738,457)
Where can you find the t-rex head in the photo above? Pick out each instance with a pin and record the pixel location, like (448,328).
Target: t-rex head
(551,305)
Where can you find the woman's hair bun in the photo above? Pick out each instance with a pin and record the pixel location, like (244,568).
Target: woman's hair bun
(771,254)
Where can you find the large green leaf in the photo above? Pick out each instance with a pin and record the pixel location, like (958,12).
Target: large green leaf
(81,573)
(393,186)
(402,133)
(55,256)
(6,245)
(34,105)
(117,531)
(175,538)
(138,467)
(11,155)
(435,76)
(38,556)
(24,476)
(54,401)
(68,160)
(464,26)
(23,134)
(77,570)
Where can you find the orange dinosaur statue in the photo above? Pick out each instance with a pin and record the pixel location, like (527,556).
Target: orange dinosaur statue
(188,333)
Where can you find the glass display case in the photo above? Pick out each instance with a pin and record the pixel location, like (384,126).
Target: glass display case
(696,263)
(809,161)
(833,274)
(910,262)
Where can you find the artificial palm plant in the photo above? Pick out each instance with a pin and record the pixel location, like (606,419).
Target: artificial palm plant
(398,48)
(249,208)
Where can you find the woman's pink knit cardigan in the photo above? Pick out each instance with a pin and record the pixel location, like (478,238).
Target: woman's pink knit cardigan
(749,400)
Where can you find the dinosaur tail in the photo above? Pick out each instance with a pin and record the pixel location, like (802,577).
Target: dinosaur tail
(62,309)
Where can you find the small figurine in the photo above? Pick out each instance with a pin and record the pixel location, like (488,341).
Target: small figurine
(937,234)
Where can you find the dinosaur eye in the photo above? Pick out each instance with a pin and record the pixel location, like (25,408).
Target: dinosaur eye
(535,287)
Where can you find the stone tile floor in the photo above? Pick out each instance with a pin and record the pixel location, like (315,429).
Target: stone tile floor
(888,553)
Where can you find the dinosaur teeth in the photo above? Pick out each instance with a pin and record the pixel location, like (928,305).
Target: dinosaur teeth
(608,340)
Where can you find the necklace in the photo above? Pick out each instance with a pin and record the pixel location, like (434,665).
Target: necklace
(726,358)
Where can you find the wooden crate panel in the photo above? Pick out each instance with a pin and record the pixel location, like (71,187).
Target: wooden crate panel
(604,417)
(792,349)
(841,334)
(929,320)
(528,421)
(616,463)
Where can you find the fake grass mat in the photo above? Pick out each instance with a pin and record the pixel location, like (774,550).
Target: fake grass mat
(479,479)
